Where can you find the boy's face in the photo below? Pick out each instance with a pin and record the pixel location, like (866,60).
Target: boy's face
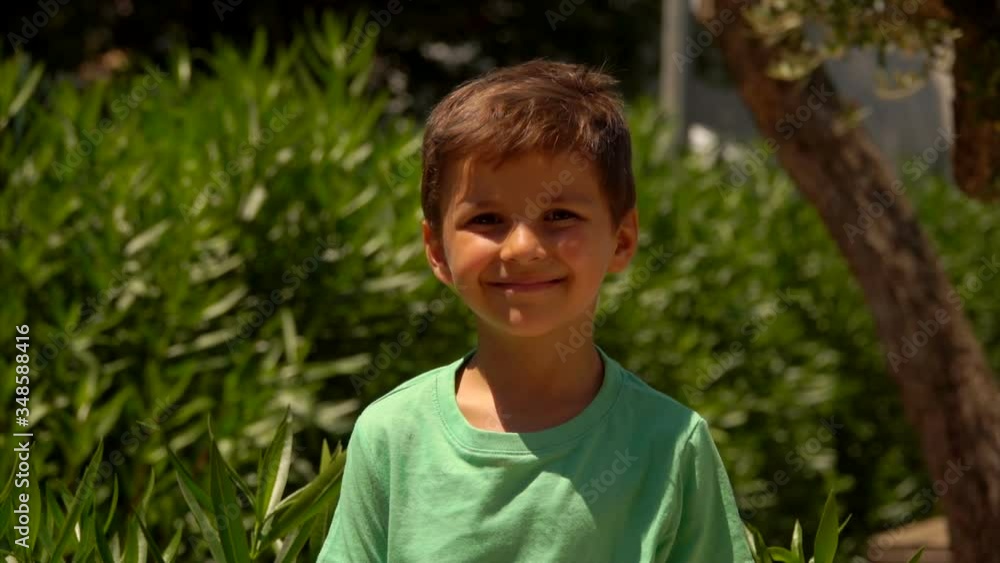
(532,219)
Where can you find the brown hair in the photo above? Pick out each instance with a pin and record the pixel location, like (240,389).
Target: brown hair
(541,105)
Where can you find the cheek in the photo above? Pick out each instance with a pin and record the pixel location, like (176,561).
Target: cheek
(572,248)
(579,250)
(475,256)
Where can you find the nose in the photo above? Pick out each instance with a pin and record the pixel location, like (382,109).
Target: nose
(522,244)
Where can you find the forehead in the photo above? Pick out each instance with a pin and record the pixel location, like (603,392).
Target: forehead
(567,176)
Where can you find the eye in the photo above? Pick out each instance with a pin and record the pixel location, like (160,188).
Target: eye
(486,219)
(477,219)
(563,213)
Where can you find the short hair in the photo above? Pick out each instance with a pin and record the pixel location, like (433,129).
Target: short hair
(553,107)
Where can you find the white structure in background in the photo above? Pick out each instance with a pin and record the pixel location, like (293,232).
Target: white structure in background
(900,128)
(674,23)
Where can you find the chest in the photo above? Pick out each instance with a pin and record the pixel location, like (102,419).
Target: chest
(485,415)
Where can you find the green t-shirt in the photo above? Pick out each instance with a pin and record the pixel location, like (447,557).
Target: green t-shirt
(633,478)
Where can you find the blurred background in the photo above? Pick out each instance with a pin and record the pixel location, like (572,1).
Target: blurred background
(210,219)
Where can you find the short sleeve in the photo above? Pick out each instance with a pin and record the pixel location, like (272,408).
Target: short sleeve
(360,523)
(706,524)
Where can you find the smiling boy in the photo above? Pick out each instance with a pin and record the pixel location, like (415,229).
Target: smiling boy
(535,445)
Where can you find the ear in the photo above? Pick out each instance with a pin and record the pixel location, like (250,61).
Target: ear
(627,243)
(434,249)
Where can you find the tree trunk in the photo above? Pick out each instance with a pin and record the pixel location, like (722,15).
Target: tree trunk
(949,393)
(977,100)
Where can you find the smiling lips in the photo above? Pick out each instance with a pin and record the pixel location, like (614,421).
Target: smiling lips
(528,285)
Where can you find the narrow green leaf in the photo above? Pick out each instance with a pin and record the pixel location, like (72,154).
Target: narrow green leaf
(131,543)
(9,485)
(170,554)
(783,555)
(146,496)
(7,509)
(917,556)
(796,547)
(258,47)
(145,238)
(322,526)
(113,507)
(761,554)
(294,543)
(320,529)
(225,303)
(325,456)
(54,517)
(290,500)
(188,491)
(84,496)
(826,534)
(150,540)
(307,501)
(86,540)
(272,473)
(844,525)
(101,540)
(241,484)
(234,540)
(751,543)
(182,473)
(289,335)
(6,522)
(25,93)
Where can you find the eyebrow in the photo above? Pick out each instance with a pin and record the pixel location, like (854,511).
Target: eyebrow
(562,198)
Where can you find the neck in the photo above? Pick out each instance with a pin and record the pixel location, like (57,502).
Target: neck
(559,368)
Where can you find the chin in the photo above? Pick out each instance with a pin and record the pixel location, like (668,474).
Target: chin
(523,326)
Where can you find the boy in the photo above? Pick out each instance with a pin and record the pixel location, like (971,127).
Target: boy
(532,447)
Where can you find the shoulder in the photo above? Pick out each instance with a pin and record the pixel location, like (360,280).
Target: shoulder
(662,411)
(410,403)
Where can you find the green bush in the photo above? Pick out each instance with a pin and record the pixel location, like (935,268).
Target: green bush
(194,255)
(826,542)
(237,234)
(281,527)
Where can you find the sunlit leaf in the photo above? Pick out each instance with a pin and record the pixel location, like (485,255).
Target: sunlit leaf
(81,501)
(826,534)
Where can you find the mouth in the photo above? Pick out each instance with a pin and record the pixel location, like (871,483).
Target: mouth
(528,286)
